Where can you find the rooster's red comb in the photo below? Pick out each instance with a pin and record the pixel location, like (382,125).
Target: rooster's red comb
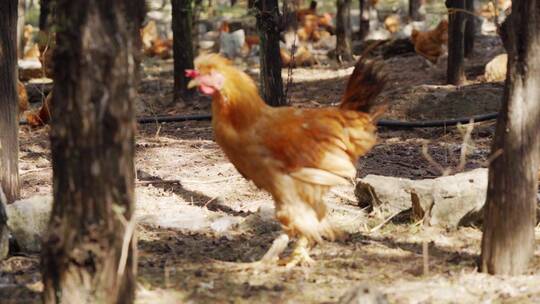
(191,73)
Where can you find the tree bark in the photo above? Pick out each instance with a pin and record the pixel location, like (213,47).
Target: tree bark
(508,240)
(20,28)
(9,105)
(89,252)
(470,29)
(343,31)
(455,72)
(182,20)
(414,10)
(364,18)
(270,60)
(44,12)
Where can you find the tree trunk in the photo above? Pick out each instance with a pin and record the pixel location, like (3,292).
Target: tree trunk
(182,47)
(44,12)
(20,28)
(509,218)
(470,29)
(9,105)
(270,59)
(343,31)
(89,252)
(364,18)
(414,10)
(455,71)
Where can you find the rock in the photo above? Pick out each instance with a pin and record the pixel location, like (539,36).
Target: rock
(363,294)
(496,68)
(446,200)
(4,232)
(29,69)
(28,220)
(224,224)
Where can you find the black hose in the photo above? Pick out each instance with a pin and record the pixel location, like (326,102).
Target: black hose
(395,124)
(173,118)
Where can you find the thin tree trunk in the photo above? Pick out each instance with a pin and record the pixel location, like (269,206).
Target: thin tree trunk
(414,10)
(508,241)
(364,18)
(20,28)
(89,252)
(182,47)
(270,59)
(470,29)
(343,31)
(9,142)
(455,73)
(44,12)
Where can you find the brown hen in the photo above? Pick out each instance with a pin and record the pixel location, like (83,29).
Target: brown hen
(296,155)
(430,44)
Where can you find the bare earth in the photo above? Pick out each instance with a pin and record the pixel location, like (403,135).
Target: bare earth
(199,231)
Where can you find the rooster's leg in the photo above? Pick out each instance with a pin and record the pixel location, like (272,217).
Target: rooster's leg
(278,246)
(300,255)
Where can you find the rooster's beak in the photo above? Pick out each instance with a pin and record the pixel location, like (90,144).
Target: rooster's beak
(193,83)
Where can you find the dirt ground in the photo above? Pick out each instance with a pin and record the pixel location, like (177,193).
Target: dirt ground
(199,231)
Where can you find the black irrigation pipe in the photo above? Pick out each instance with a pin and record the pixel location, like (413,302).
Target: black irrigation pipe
(397,124)
(394,124)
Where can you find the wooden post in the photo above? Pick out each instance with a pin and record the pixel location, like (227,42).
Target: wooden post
(343,31)
(470,29)
(414,10)
(182,47)
(268,28)
(364,18)
(455,73)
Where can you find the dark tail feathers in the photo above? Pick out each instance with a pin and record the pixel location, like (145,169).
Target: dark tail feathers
(365,84)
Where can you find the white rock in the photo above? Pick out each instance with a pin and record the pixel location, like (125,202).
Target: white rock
(29,64)
(448,199)
(28,220)
(496,68)
(223,224)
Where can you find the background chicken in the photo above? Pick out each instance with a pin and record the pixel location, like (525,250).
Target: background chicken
(294,154)
(43,115)
(23,98)
(430,44)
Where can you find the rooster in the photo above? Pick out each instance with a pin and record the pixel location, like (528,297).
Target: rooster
(296,155)
(430,44)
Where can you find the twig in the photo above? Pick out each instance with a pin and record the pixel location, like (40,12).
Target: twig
(462,157)
(443,171)
(464,145)
(385,221)
(210,181)
(343,196)
(21,172)
(128,237)
(158,181)
(209,201)
(425,257)
(492,157)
